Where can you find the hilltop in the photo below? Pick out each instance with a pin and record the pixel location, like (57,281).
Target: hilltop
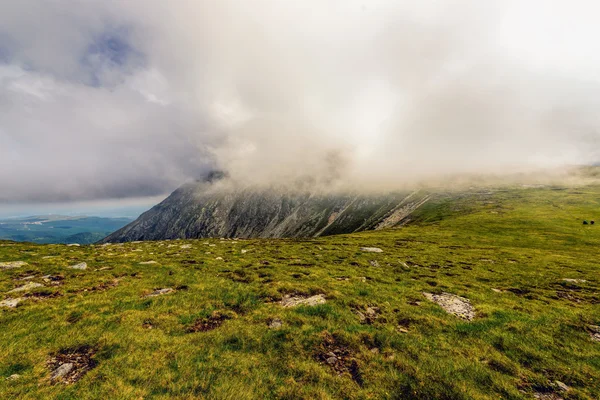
(489,294)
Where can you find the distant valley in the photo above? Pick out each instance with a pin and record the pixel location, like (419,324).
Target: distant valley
(48,229)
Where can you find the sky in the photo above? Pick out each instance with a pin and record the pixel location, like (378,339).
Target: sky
(117,103)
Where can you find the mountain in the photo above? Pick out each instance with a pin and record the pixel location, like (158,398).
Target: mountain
(209,209)
(49,229)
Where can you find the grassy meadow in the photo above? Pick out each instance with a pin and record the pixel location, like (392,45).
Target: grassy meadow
(508,251)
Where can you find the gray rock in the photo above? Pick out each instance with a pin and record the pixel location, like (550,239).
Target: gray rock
(570,280)
(11,303)
(374,263)
(561,386)
(159,292)
(12,264)
(371,249)
(73,245)
(331,360)
(28,286)
(453,304)
(61,371)
(148,262)
(79,266)
(275,323)
(293,301)
(13,377)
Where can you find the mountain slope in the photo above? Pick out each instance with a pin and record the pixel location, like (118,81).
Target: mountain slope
(212,210)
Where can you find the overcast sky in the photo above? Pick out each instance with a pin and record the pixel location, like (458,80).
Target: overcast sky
(111,99)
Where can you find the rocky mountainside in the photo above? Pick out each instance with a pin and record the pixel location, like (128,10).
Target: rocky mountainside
(209,209)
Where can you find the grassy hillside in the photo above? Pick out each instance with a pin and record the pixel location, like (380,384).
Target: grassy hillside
(222,331)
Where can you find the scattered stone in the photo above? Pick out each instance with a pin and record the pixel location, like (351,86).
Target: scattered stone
(401,329)
(456,305)
(497,290)
(343,278)
(26,278)
(369,315)
(159,292)
(185,246)
(219,258)
(375,350)
(148,262)
(561,386)
(53,279)
(103,268)
(293,301)
(11,303)
(12,264)
(28,286)
(81,266)
(371,249)
(570,280)
(547,396)
(594,332)
(244,251)
(73,245)
(362,278)
(70,365)
(374,263)
(48,257)
(275,323)
(13,377)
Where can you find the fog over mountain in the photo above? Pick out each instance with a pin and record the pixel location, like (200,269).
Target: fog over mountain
(119,99)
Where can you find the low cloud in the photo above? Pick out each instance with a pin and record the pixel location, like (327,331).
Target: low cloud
(110,99)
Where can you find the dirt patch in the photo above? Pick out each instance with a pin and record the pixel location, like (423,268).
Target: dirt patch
(70,365)
(299,300)
(340,358)
(455,305)
(209,323)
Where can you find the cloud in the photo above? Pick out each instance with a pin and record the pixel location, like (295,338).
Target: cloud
(111,99)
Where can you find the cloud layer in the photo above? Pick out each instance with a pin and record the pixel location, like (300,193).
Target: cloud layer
(112,99)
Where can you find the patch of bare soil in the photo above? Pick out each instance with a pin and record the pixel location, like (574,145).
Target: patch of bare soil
(209,323)
(70,365)
(340,358)
(455,305)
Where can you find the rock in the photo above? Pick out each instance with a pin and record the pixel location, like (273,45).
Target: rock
(61,371)
(570,280)
(79,266)
(244,251)
(12,264)
(11,303)
(561,386)
(159,292)
(293,301)
(594,332)
(374,263)
(74,244)
(331,360)
(26,278)
(375,350)
(28,286)
(275,323)
(13,377)
(456,305)
(148,262)
(185,246)
(219,258)
(497,290)
(402,329)
(371,249)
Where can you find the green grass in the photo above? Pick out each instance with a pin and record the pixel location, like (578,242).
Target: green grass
(520,241)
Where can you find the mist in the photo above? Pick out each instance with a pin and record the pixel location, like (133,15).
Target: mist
(116,100)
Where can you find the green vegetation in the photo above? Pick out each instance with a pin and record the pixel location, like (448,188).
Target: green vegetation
(214,336)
